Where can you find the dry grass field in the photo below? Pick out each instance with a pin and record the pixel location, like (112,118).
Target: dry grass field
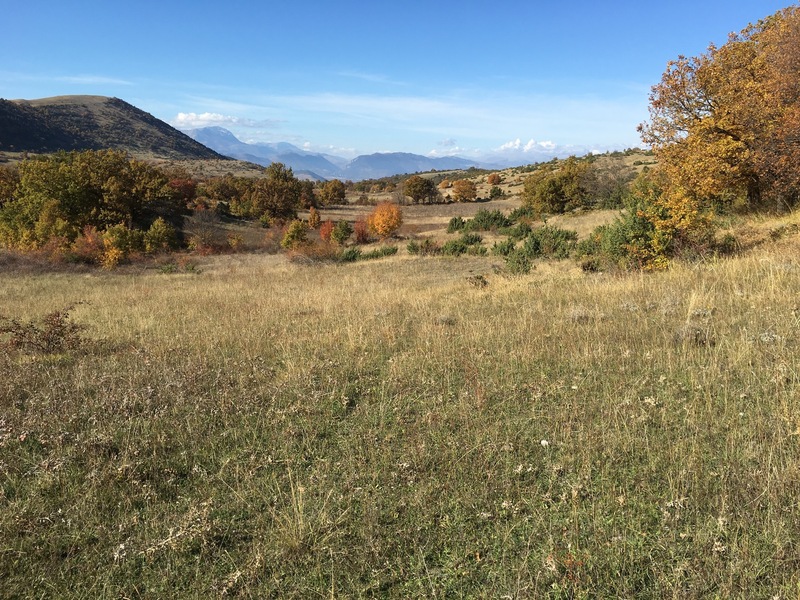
(256,427)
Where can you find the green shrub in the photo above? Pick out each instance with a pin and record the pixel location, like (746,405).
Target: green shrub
(295,235)
(488,220)
(523,212)
(160,237)
(454,248)
(351,254)
(341,232)
(379,252)
(425,248)
(550,242)
(456,224)
(517,232)
(504,248)
(518,262)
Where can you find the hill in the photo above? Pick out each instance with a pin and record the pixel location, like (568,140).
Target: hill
(92,123)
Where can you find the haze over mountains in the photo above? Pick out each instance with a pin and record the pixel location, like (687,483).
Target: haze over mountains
(326,166)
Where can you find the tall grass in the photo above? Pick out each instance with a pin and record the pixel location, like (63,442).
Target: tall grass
(264,429)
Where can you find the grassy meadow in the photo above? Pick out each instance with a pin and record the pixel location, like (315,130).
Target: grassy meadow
(255,427)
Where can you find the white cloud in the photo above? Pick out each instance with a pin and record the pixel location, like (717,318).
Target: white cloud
(531,146)
(208,119)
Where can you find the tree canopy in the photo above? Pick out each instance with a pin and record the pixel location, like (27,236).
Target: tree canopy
(725,126)
(420,189)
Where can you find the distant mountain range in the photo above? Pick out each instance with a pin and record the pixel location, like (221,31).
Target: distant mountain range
(98,122)
(92,123)
(325,166)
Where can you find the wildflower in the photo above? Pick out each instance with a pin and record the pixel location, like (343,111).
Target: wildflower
(544,443)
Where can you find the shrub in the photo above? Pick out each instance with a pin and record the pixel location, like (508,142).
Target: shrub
(523,212)
(456,224)
(88,246)
(53,333)
(504,248)
(361,231)
(341,232)
(549,241)
(325,231)
(518,262)
(160,237)
(427,247)
(313,218)
(488,220)
(351,254)
(295,235)
(381,252)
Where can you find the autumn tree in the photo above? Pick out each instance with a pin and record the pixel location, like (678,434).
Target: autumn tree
(385,219)
(331,192)
(464,190)
(420,189)
(493,179)
(725,125)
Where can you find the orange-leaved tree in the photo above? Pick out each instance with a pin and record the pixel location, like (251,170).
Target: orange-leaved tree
(385,219)
(464,190)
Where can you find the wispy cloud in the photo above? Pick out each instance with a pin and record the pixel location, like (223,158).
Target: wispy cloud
(370,77)
(92,80)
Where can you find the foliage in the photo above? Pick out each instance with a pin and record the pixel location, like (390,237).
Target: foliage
(361,231)
(504,248)
(326,230)
(724,125)
(160,237)
(341,232)
(656,226)
(494,179)
(557,189)
(277,195)
(51,334)
(353,253)
(314,219)
(58,195)
(421,189)
(456,224)
(464,190)
(332,192)
(426,247)
(518,262)
(385,219)
(488,220)
(549,242)
(495,192)
(467,243)
(295,235)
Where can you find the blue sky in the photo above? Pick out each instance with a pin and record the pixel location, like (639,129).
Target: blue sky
(477,79)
